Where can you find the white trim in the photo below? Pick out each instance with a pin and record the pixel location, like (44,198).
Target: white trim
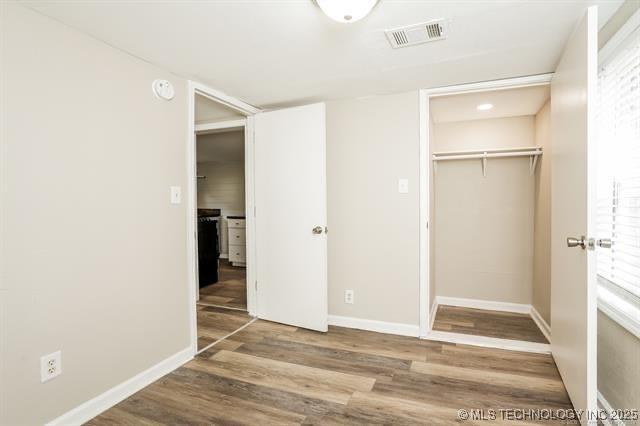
(485,86)
(220,125)
(604,405)
(619,37)
(222,98)
(619,310)
(541,323)
(489,342)
(426,167)
(227,336)
(212,305)
(424,236)
(93,407)
(373,325)
(434,312)
(488,305)
(192,229)
(192,279)
(223,256)
(250,217)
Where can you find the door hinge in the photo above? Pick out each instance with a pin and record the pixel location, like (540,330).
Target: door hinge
(256,286)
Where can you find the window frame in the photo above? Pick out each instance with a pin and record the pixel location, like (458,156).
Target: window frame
(618,301)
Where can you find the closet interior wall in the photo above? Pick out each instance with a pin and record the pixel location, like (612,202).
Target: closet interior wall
(490,234)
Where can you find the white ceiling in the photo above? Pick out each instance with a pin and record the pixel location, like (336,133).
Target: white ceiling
(506,103)
(272,53)
(220,147)
(207,111)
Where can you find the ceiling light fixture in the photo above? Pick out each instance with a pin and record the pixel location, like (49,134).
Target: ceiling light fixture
(484,107)
(346,11)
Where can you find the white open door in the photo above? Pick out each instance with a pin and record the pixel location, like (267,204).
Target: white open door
(573,263)
(291,216)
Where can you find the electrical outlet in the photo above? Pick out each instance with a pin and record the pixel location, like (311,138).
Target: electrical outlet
(50,366)
(348,297)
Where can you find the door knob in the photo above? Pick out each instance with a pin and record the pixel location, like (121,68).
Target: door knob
(604,242)
(317,230)
(577,242)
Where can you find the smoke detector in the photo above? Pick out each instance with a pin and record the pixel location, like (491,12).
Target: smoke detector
(417,34)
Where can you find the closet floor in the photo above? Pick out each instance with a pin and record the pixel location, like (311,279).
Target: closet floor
(479,322)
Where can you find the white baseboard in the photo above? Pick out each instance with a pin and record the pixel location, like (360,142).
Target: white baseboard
(90,409)
(373,325)
(604,405)
(223,256)
(519,308)
(541,323)
(489,342)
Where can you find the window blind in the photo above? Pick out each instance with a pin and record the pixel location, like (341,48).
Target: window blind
(618,166)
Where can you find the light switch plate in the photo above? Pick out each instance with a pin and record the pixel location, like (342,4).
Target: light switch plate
(403,186)
(176,195)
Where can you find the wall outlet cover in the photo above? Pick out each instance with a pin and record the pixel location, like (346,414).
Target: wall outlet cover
(349,297)
(50,366)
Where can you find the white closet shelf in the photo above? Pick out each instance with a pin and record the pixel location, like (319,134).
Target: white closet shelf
(531,152)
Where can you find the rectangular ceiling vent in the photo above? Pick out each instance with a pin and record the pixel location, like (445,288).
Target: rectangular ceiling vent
(417,34)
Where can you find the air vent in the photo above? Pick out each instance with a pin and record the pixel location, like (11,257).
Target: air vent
(416,34)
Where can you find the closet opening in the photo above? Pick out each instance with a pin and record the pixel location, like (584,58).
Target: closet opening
(486,197)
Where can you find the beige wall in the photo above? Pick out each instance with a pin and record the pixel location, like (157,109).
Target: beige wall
(618,364)
(93,254)
(542,217)
(222,189)
(484,225)
(373,230)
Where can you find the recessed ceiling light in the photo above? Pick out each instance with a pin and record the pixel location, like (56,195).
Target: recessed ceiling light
(346,11)
(484,107)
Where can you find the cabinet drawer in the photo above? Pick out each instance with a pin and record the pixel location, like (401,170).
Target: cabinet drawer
(236,236)
(237,253)
(236,223)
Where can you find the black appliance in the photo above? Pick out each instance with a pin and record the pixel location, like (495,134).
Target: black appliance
(208,250)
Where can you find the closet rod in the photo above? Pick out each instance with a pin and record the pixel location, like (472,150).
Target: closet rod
(481,153)
(440,157)
(532,153)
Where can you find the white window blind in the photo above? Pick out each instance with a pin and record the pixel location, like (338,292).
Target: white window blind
(618,118)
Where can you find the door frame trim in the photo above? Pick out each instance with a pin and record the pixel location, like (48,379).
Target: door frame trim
(425,305)
(192,210)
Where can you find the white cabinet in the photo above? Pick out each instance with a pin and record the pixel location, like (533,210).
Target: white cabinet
(237,247)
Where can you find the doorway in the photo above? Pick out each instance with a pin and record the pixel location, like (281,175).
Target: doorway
(221,218)
(220,196)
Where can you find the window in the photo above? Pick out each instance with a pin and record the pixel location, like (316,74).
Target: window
(618,167)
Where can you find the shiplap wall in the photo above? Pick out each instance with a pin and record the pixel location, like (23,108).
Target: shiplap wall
(222,189)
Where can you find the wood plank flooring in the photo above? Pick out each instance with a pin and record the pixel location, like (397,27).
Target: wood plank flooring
(215,323)
(274,374)
(479,322)
(230,290)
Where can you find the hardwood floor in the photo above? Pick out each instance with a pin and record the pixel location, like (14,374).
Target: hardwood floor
(274,374)
(215,323)
(230,290)
(502,325)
